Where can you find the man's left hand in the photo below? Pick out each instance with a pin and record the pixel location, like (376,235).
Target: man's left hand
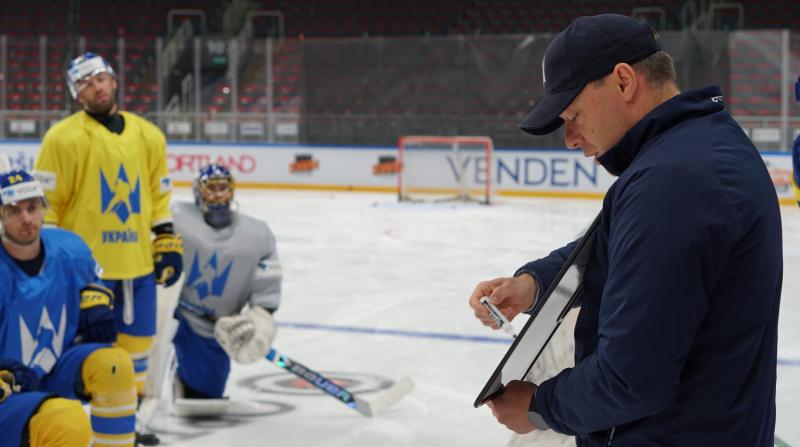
(511,407)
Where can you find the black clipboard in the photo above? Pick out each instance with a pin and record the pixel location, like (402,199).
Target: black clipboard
(546,316)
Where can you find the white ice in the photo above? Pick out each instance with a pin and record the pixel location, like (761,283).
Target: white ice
(361,260)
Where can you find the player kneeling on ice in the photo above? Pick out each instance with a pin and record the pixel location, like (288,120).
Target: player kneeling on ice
(56,326)
(232,288)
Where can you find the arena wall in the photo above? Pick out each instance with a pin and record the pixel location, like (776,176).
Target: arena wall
(554,173)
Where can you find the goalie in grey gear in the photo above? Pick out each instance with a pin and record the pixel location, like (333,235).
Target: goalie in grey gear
(232,287)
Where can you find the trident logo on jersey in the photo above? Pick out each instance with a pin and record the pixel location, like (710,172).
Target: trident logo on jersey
(42,343)
(209,280)
(120,196)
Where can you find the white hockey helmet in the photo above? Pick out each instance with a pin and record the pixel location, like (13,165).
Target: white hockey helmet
(18,185)
(85,67)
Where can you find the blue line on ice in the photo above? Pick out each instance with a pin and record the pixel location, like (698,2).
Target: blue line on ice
(433,335)
(396,332)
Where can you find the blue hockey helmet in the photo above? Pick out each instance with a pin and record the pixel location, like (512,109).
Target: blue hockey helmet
(213,194)
(18,185)
(83,68)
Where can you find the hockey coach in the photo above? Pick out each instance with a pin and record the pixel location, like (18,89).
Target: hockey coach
(676,340)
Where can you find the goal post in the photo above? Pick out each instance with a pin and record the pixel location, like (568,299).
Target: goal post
(445,168)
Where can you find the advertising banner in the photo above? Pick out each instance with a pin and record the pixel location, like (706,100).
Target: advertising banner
(557,172)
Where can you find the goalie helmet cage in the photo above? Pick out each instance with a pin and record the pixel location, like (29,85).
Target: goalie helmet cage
(445,168)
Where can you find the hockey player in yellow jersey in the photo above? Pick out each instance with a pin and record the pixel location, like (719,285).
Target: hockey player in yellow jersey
(105,176)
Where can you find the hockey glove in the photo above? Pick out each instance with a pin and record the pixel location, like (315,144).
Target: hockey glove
(167,258)
(17,376)
(96,323)
(247,337)
(6,382)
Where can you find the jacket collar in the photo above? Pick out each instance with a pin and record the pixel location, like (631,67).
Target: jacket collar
(685,106)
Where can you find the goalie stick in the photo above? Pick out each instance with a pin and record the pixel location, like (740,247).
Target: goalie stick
(368,408)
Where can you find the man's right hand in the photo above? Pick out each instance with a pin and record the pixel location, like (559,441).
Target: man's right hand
(510,295)
(6,384)
(96,323)
(17,376)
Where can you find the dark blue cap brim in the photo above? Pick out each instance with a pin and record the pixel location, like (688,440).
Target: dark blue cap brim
(544,118)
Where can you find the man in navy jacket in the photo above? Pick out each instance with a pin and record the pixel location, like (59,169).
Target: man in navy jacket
(676,340)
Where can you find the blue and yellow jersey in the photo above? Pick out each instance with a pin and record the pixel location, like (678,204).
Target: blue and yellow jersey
(796,169)
(39,315)
(110,189)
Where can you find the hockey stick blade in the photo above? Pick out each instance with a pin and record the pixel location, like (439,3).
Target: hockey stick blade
(367,408)
(387,398)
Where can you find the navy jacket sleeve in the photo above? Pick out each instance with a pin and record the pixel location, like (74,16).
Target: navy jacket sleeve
(669,238)
(544,270)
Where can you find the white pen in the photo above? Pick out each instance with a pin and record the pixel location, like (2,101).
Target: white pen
(498,317)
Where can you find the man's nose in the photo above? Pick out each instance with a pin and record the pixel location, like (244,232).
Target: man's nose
(571,137)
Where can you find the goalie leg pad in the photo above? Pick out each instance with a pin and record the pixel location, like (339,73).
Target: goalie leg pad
(202,364)
(196,407)
(108,378)
(59,422)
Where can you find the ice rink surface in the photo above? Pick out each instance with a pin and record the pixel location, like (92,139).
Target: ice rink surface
(375,290)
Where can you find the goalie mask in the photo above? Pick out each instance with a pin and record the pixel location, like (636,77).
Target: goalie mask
(83,68)
(213,194)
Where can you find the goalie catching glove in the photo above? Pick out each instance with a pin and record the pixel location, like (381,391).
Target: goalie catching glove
(247,337)
(167,255)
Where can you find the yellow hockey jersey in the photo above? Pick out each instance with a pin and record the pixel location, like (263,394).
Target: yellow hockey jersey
(110,189)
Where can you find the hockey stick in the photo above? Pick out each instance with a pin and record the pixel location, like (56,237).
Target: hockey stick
(160,351)
(368,408)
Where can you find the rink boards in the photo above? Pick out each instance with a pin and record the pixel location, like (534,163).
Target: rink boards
(555,172)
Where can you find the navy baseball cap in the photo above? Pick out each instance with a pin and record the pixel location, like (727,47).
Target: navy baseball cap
(586,50)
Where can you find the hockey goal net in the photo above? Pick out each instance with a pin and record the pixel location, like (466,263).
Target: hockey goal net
(437,168)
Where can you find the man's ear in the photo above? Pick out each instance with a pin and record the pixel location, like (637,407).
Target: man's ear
(627,82)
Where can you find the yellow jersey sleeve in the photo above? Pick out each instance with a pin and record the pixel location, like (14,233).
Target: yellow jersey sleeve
(160,183)
(55,163)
